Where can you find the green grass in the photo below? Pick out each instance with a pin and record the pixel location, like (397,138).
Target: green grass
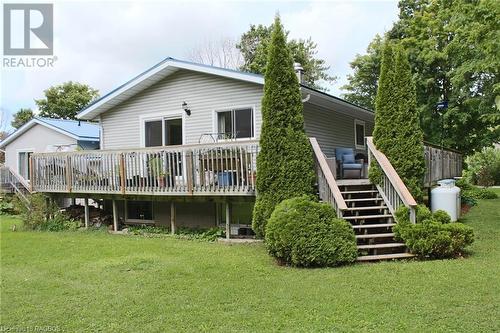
(92,281)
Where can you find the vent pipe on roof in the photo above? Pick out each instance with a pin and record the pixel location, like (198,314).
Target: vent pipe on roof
(299,71)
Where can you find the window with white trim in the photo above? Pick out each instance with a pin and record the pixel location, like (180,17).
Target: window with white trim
(235,123)
(359,134)
(162,132)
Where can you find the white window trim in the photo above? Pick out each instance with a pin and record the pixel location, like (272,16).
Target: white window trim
(19,151)
(359,122)
(161,116)
(230,108)
(139,221)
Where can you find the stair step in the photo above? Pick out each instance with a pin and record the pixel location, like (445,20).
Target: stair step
(367,236)
(364,217)
(385,256)
(363,199)
(367,208)
(360,191)
(368,226)
(380,246)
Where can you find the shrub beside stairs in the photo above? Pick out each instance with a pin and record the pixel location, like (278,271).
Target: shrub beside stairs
(372,222)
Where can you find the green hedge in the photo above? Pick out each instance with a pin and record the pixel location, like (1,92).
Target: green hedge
(433,236)
(305,233)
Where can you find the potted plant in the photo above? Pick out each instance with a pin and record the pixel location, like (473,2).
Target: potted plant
(156,169)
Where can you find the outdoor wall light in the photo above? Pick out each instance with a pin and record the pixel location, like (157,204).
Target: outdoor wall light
(186,109)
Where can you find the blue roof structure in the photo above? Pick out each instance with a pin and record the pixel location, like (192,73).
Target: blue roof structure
(82,129)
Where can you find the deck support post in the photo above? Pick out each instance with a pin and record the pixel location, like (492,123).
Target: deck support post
(172,217)
(73,201)
(87,212)
(228,220)
(115,216)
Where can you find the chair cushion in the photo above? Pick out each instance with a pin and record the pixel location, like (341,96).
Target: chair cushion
(352,166)
(340,152)
(348,158)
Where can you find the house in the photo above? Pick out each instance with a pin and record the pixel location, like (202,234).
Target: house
(179,144)
(41,135)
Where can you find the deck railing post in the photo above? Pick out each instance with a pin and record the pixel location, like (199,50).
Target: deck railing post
(122,173)
(69,173)
(189,171)
(32,174)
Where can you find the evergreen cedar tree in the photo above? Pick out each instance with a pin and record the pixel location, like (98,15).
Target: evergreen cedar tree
(397,130)
(285,163)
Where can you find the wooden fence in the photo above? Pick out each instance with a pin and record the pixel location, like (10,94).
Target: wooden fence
(441,164)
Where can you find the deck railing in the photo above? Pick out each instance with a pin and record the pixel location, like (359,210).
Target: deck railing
(211,169)
(441,163)
(327,186)
(393,190)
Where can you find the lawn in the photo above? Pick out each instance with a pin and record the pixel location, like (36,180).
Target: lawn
(92,281)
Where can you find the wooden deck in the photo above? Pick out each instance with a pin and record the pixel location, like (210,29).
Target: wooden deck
(209,169)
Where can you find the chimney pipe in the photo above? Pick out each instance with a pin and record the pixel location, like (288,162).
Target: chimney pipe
(299,71)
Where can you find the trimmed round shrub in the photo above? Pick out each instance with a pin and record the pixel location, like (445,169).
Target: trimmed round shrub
(305,233)
(433,236)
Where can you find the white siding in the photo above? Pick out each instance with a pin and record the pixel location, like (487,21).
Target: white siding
(37,139)
(332,129)
(202,92)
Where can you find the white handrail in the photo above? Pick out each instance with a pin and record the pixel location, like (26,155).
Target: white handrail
(328,188)
(392,183)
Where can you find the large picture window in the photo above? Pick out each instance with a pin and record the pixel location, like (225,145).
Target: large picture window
(235,124)
(359,134)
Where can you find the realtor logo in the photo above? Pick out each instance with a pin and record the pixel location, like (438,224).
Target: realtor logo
(28,29)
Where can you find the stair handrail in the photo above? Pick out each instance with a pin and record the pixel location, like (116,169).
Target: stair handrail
(19,179)
(397,185)
(328,188)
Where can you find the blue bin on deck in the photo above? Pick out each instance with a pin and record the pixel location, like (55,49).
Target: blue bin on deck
(225,178)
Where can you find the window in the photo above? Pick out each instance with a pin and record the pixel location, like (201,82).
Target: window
(163,132)
(359,134)
(24,164)
(140,210)
(235,124)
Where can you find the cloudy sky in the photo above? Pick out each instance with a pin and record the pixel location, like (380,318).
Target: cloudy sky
(103,44)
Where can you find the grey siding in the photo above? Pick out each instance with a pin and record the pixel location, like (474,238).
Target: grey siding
(202,92)
(332,129)
(37,139)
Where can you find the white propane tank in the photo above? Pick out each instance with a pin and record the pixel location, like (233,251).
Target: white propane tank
(446,197)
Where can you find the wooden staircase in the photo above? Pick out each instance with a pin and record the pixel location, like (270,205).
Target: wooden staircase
(371,220)
(11,182)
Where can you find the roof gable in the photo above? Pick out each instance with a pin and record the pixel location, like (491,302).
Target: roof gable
(75,129)
(154,75)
